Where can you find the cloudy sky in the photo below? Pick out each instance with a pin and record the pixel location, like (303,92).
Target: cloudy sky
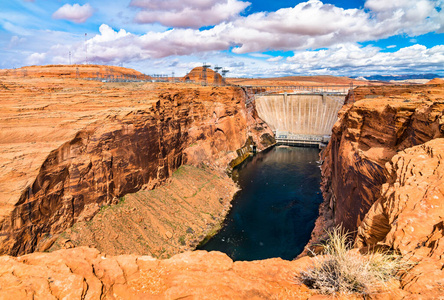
(249,38)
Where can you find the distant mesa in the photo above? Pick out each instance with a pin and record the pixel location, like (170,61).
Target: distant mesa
(198,75)
(401,77)
(436,81)
(74,71)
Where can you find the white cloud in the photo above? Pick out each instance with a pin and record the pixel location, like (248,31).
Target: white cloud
(313,25)
(275,59)
(302,29)
(36,58)
(413,17)
(123,45)
(75,13)
(187,13)
(308,25)
(350,58)
(15,40)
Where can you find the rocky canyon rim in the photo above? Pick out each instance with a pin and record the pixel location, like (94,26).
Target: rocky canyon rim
(383,147)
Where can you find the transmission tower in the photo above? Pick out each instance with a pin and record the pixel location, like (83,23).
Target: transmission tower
(216,69)
(224,73)
(205,66)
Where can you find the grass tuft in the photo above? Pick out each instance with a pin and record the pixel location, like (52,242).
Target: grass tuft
(341,271)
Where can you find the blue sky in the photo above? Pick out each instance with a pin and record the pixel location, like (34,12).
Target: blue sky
(250,38)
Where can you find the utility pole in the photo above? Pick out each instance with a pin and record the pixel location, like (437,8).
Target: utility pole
(86,50)
(69,57)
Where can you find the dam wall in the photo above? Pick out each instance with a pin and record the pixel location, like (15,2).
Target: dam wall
(300,118)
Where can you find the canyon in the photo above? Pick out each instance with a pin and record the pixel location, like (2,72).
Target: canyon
(87,163)
(70,147)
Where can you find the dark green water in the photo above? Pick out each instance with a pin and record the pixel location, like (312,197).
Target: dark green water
(274,213)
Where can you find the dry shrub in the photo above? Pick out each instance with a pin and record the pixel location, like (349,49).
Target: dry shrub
(340,270)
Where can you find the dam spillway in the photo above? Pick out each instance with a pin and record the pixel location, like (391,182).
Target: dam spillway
(303,118)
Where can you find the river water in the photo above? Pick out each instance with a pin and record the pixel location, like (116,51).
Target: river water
(274,213)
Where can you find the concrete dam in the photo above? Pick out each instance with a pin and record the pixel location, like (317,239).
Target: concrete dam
(300,118)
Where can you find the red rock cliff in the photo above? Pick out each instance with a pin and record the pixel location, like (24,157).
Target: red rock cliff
(125,145)
(367,135)
(409,214)
(383,179)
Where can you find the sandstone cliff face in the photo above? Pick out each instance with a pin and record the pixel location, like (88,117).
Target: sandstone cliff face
(367,135)
(409,216)
(119,151)
(383,179)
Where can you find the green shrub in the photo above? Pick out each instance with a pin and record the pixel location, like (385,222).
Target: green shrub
(341,271)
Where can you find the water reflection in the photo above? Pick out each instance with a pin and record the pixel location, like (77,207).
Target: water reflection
(274,213)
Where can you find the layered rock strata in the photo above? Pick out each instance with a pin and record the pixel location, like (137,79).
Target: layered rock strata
(366,136)
(92,151)
(408,216)
(383,179)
